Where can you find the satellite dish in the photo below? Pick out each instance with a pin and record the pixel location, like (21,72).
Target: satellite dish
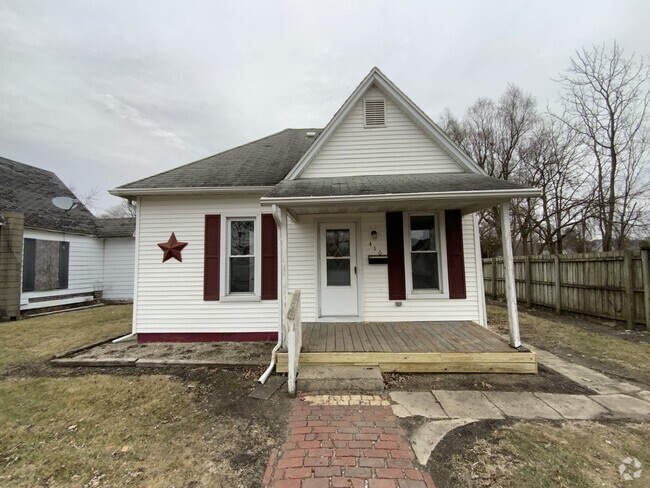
(65,203)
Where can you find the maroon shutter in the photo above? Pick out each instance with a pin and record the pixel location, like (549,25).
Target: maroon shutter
(395,248)
(212,258)
(455,256)
(269,258)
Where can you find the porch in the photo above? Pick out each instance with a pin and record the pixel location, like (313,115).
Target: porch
(410,347)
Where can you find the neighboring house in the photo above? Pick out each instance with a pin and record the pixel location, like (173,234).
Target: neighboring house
(51,257)
(372,218)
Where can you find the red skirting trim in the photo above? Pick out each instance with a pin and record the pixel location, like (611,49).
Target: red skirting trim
(208,337)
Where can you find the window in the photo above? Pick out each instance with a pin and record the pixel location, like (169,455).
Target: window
(241,256)
(337,254)
(45,265)
(423,253)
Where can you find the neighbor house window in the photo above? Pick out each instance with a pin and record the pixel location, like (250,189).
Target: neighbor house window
(423,253)
(241,256)
(45,265)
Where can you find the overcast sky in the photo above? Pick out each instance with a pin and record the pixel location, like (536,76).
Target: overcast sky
(107,92)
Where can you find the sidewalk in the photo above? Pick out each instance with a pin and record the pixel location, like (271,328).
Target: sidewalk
(343,441)
(354,441)
(447,409)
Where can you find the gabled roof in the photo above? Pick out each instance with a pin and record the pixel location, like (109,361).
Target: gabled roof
(395,95)
(120,227)
(261,163)
(30,190)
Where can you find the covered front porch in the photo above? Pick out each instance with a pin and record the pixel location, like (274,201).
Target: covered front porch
(396,311)
(410,347)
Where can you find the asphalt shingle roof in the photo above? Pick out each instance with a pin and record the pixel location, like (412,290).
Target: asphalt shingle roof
(260,163)
(120,227)
(30,190)
(389,184)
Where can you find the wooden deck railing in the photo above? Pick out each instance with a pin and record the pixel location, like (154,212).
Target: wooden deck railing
(294,339)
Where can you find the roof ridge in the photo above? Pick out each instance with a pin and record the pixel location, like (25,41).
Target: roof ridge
(210,156)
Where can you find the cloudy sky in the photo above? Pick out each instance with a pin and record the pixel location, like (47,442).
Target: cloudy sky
(107,92)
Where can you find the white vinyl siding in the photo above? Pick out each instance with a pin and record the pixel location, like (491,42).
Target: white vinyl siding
(170,295)
(85,270)
(119,254)
(375,305)
(398,147)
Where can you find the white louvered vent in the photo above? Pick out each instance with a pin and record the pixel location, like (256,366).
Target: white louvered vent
(374,113)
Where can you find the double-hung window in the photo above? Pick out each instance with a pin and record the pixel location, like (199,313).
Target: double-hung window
(423,254)
(242,254)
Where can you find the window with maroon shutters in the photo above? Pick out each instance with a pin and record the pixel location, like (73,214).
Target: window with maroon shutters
(212,257)
(455,255)
(269,258)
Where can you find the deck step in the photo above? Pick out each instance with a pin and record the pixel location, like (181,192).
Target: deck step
(324,378)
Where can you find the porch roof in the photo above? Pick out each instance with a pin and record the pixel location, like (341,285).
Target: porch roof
(453,190)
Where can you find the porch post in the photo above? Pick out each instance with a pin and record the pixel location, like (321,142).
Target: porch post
(280,216)
(509,275)
(284,272)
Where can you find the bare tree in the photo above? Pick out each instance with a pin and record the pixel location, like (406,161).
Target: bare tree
(125,209)
(554,163)
(88,198)
(605,97)
(493,134)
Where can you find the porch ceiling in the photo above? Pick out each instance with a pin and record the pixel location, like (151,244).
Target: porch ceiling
(466,191)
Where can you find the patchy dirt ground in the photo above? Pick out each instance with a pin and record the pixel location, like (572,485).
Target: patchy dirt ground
(612,350)
(546,380)
(542,454)
(136,427)
(252,353)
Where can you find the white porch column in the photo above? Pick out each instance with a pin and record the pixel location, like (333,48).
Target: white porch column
(284,272)
(509,275)
(280,216)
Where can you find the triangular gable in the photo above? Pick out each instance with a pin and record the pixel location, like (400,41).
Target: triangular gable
(376,83)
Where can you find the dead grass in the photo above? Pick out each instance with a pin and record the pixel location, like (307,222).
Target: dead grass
(574,454)
(104,430)
(38,338)
(548,334)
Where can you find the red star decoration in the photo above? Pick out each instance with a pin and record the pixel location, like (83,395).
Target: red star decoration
(172,248)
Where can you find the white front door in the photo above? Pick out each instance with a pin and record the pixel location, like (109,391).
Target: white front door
(338,270)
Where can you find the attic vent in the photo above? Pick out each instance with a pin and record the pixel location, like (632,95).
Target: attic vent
(310,134)
(374,113)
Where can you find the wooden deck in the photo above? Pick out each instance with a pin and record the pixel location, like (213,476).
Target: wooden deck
(453,347)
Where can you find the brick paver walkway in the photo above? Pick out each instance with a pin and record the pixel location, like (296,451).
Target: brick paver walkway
(344,441)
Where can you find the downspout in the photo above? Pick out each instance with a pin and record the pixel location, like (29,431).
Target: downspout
(135,275)
(280,222)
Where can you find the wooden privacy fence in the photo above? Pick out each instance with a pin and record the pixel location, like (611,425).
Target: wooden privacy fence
(610,285)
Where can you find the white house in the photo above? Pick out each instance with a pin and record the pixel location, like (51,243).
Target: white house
(50,257)
(372,218)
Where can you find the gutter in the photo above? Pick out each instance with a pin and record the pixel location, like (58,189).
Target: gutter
(389,197)
(123,338)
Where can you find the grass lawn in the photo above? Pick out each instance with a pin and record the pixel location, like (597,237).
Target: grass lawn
(38,338)
(560,335)
(125,426)
(101,430)
(540,455)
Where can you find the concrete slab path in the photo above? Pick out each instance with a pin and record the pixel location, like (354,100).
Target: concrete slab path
(522,405)
(467,404)
(579,407)
(595,381)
